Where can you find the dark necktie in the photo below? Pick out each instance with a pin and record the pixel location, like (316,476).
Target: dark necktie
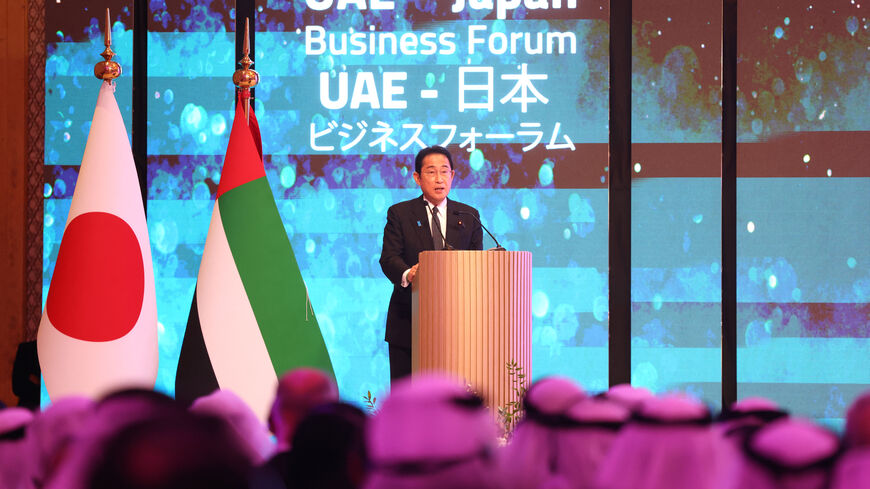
(436,230)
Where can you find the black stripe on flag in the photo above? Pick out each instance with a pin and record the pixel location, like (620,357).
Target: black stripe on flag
(195,377)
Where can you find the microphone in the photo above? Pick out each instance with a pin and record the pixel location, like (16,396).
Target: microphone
(447,246)
(498,247)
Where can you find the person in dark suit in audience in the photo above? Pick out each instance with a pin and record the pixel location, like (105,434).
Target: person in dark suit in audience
(428,222)
(25,375)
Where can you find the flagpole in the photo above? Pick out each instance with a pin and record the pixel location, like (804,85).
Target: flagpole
(246,78)
(107,70)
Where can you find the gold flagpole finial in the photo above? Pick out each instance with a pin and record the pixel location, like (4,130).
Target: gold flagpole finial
(246,78)
(107,70)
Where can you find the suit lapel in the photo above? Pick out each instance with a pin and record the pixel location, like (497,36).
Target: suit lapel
(422,224)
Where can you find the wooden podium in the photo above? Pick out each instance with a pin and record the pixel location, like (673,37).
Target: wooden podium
(471,314)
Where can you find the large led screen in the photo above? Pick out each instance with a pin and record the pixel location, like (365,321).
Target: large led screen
(803,204)
(347,96)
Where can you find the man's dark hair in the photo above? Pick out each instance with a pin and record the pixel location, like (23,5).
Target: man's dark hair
(418,161)
(328,450)
(180,451)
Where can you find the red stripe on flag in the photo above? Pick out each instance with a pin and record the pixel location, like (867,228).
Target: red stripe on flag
(98,285)
(244,159)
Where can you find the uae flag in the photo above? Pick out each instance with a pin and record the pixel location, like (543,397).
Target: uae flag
(98,331)
(250,320)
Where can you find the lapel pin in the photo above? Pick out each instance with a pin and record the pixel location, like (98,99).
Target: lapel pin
(419,225)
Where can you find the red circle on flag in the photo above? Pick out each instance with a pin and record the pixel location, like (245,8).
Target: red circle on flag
(98,284)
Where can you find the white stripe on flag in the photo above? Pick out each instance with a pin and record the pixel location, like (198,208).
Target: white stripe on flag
(94,369)
(232,337)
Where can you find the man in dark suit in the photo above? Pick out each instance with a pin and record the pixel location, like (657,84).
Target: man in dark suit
(428,222)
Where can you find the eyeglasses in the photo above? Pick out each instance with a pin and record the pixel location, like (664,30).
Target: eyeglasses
(431,173)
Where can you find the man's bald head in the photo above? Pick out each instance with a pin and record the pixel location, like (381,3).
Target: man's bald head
(299,391)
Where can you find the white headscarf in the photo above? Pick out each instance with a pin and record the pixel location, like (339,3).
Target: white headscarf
(253,435)
(739,421)
(788,453)
(53,433)
(628,395)
(431,433)
(852,470)
(668,444)
(109,416)
(533,457)
(562,449)
(13,454)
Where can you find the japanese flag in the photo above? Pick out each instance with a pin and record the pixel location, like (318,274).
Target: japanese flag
(98,331)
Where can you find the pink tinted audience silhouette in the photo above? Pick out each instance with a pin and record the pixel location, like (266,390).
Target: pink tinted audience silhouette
(669,442)
(430,432)
(53,436)
(13,427)
(563,438)
(788,453)
(253,436)
(299,391)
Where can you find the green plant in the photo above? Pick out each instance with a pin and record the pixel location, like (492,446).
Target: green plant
(369,402)
(511,413)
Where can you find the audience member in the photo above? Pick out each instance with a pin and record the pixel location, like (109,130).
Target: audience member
(252,434)
(127,406)
(667,444)
(26,375)
(740,420)
(299,391)
(431,433)
(52,434)
(628,395)
(14,422)
(111,414)
(788,453)
(178,451)
(751,412)
(532,455)
(852,470)
(329,449)
(599,422)
(562,438)
(857,432)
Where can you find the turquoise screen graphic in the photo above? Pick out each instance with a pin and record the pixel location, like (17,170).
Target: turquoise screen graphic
(348,95)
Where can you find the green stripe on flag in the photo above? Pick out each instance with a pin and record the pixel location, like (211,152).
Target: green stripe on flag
(271,276)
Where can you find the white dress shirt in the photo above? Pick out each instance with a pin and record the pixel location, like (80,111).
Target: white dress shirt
(442,219)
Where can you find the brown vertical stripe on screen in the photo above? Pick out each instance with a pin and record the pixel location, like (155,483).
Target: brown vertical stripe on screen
(140,96)
(619,195)
(729,202)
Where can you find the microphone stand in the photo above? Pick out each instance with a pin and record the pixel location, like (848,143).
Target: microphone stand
(498,247)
